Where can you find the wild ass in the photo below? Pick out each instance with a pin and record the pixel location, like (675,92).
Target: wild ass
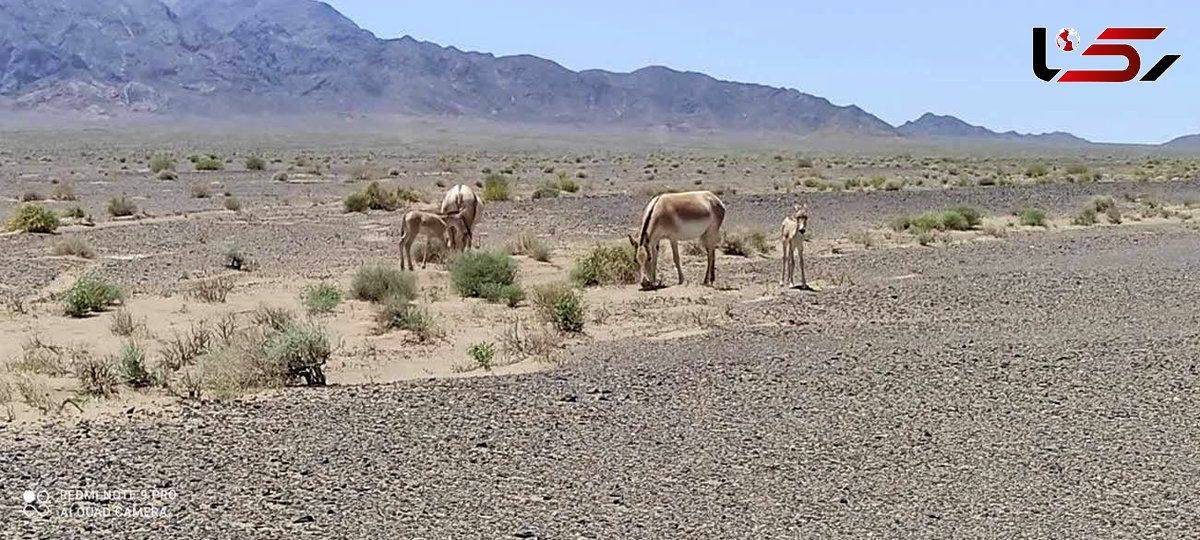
(462,198)
(451,229)
(792,233)
(675,217)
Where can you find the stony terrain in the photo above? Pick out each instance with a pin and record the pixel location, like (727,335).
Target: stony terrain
(1029,384)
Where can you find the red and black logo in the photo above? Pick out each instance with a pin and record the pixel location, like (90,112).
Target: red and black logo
(1068,41)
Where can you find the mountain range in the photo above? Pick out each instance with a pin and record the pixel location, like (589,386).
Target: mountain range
(214,58)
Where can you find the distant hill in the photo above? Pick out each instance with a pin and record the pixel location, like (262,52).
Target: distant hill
(933,125)
(236,56)
(1186,142)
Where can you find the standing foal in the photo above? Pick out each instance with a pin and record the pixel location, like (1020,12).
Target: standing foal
(792,231)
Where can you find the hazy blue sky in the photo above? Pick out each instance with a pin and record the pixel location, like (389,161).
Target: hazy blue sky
(897,60)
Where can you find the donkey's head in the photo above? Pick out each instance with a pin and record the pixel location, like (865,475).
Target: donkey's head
(644,259)
(800,216)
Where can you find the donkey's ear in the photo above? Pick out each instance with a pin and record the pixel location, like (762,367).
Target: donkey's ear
(631,241)
(798,207)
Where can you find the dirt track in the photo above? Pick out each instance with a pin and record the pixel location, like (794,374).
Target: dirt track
(1037,386)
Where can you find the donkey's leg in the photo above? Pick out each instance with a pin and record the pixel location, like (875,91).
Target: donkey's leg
(405,256)
(710,239)
(675,253)
(784,250)
(800,248)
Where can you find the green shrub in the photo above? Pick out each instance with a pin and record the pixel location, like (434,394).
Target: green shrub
(545,297)
(64,192)
(1077,168)
(255,163)
(379,198)
(971,215)
(483,354)
(74,211)
(323,298)
(568,314)
(496,188)
(377,283)
(745,243)
(804,163)
(158,164)
(531,245)
(356,202)
(1032,217)
(279,177)
(273,318)
(1102,203)
(565,183)
(201,190)
(208,163)
(235,258)
(131,365)
(1114,215)
(473,270)
(606,265)
(1036,170)
(167,175)
(959,218)
(91,294)
(121,206)
(75,246)
(33,218)
(233,204)
(396,313)
(511,294)
(298,351)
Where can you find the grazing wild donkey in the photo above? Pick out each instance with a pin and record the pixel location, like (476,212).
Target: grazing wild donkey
(792,231)
(451,229)
(462,198)
(675,217)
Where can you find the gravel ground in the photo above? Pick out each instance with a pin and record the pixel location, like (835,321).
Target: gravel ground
(1040,386)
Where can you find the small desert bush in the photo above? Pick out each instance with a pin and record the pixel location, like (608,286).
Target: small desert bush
(299,351)
(472,271)
(529,244)
(201,190)
(377,283)
(91,294)
(361,172)
(606,265)
(1036,170)
(274,318)
(545,191)
(33,218)
(496,187)
(959,218)
(545,297)
(569,313)
(483,355)
(1087,216)
(1032,217)
(64,192)
(255,163)
(121,206)
(75,246)
(280,176)
(1114,215)
(745,243)
(31,196)
(1101,203)
(209,163)
(399,314)
(1077,168)
(167,175)
(159,164)
(379,198)
(233,203)
(234,257)
(565,183)
(75,212)
(412,195)
(97,376)
(511,294)
(212,291)
(44,358)
(655,190)
(355,202)
(320,299)
(122,323)
(182,349)
(130,363)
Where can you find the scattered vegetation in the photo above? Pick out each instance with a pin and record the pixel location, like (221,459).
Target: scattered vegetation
(33,218)
(91,294)
(97,376)
(399,314)
(745,243)
(496,188)
(233,204)
(209,163)
(511,294)
(483,355)
(532,246)
(64,191)
(606,265)
(121,206)
(957,218)
(131,365)
(377,283)
(158,164)
(122,323)
(475,272)
(1032,217)
(377,197)
(255,163)
(201,190)
(167,175)
(75,246)
(212,291)
(321,299)
(234,258)
(1037,170)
